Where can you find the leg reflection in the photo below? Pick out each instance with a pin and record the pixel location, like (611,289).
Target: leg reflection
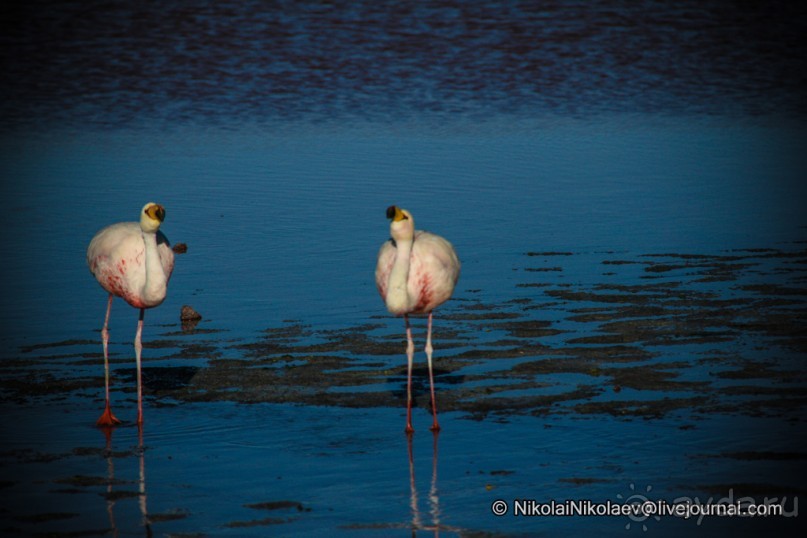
(111,495)
(141,454)
(434,499)
(413,491)
(434,524)
(110,477)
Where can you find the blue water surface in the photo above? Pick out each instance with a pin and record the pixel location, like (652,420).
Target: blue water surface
(276,134)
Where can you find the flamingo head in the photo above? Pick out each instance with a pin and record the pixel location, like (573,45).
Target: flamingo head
(151,217)
(402,227)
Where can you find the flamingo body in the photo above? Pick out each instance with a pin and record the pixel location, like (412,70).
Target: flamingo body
(416,272)
(133,261)
(116,257)
(433,272)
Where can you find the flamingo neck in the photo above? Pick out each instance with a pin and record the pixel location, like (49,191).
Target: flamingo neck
(155,287)
(397,299)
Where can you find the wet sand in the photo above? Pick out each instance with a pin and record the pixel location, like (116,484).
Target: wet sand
(690,325)
(674,337)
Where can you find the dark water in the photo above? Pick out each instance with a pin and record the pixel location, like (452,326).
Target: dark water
(230,63)
(623,181)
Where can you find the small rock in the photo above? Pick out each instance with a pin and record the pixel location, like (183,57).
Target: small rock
(189,314)
(180,248)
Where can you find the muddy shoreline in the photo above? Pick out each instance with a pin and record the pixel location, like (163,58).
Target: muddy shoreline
(695,333)
(663,343)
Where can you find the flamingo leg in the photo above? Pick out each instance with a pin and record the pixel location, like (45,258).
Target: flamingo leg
(107,418)
(138,348)
(435,426)
(410,355)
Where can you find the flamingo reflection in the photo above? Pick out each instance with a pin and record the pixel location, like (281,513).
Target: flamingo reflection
(434,514)
(113,496)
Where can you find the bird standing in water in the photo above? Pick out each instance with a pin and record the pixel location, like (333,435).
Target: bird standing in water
(416,273)
(133,261)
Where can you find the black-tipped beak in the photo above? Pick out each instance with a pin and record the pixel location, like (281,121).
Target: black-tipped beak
(396,213)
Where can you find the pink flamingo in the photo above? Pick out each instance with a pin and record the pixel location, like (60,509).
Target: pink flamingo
(131,260)
(416,273)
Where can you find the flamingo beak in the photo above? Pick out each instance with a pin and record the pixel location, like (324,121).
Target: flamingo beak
(396,213)
(156,212)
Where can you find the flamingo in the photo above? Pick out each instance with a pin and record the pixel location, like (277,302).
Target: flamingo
(133,261)
(416,273)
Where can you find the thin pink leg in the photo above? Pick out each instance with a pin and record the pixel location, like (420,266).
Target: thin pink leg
(410,356)
(138,348)
(435,426)
(107,418)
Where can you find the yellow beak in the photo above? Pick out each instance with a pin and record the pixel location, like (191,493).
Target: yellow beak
(395,213)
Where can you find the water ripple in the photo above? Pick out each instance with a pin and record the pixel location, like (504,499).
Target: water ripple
(114,63)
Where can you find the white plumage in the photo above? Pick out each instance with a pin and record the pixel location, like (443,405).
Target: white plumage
(416,272)
(133,261)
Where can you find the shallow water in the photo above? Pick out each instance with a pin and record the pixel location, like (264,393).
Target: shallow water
(625,188)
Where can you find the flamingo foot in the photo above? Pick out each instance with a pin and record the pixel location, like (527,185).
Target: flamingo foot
(409,429)
(107,418)
(435,427)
